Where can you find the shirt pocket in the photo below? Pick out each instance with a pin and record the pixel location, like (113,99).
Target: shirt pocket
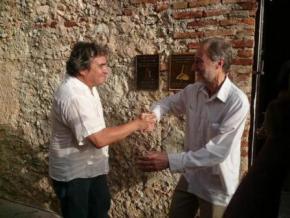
(213,130)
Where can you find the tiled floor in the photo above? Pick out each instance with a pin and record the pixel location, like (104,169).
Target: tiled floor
(9,209)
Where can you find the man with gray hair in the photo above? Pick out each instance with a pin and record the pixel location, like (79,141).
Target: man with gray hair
(216,112)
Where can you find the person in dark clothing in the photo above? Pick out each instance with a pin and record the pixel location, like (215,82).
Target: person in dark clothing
(259,192)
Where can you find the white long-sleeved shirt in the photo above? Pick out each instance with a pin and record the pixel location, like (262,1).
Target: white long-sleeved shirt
(214,127)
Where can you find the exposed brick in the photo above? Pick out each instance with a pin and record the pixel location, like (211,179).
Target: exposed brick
(179,5)
(201,23)
(237,69)
(245,53)
(243,74)
(253,13)
(240,14)
(161,7)
(235,21)
(246,32)
(215,12)
(245,43)
(243,61)
(249,21)
(246,78)
(187,35)
(193,45)
(187,15)
(198,3)
(248,5)
(237,1)
(244,153)
(209,33)
(70,23)
(228,22)
(229,32)
(245,82)
(143,1)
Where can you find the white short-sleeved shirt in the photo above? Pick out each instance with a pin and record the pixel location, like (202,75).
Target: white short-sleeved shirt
(214,127)
(76,113)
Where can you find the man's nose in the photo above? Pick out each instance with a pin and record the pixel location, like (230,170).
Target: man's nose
(107,70)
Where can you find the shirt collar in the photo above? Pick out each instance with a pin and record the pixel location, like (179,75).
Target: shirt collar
(222,93)
(224,90)
(79,83)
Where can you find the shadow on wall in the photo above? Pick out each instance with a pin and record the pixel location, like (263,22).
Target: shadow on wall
(24,171)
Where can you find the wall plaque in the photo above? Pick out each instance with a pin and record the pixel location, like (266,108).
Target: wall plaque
(181,71)
(147,72)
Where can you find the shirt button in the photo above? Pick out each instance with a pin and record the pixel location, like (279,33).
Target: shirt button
(89,162)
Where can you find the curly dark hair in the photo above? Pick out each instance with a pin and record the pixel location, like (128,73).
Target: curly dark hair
(81,56)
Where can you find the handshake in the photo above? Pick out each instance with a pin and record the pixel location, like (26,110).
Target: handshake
(150,161)
(146,121)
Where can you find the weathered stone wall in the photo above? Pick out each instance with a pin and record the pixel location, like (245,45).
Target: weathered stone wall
(35,40)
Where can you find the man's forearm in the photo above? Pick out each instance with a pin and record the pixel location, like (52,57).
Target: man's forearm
(113,134)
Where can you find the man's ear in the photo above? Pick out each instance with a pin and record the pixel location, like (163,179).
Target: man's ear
(83,72)
(221,62)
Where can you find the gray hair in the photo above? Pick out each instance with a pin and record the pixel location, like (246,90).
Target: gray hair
(218,48)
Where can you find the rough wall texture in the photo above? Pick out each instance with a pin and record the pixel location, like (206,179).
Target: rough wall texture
(35,41)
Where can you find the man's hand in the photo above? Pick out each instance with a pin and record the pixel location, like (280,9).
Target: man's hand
(149,119)
(153,161)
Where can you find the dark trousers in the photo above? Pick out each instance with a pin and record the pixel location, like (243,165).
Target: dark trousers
(84,197)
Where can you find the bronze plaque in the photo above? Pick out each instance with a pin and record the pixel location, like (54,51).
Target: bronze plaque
(181,71)
(147,72)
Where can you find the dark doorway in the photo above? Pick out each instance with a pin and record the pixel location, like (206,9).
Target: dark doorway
(276,46)
(275,51)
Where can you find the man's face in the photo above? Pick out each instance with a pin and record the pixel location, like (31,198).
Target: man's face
(98,72)
(206,69)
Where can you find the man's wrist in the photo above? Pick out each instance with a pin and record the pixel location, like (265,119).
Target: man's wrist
(175,162)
